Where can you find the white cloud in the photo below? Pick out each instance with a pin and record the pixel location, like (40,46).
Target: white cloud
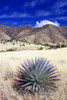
(30,4)
(60,11)
(60,4)
(15,15)
(44,22)
(33,3)
(61,18)
(57,7)
(42,13)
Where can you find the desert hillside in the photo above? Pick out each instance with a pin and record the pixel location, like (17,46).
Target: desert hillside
(4,36)
(42,35)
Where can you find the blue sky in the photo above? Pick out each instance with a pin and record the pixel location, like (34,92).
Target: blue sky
(33,12)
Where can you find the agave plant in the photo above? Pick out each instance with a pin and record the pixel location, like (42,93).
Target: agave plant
(36,75)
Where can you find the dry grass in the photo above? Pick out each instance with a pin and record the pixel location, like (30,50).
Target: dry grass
(9,62)
(18,46)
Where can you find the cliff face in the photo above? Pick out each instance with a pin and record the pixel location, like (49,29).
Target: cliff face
(47,33)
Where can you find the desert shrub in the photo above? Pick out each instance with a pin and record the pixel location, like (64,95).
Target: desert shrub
(2,51)
(8,75)
(8,40)
(10,50)
(58,46)
(20,44)
(23,44)
(62,45)
(51,47)
(35,76)
(46,44)
(13,43)
(29,43)
(40,48)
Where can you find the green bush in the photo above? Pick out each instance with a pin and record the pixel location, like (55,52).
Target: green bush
(23,44)
(13,43)
(2,51)
(51,47)
(62,45)
(10,50)
(56,46)
(41,48)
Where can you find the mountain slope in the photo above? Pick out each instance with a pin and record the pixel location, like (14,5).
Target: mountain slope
(47,33)
(4,36)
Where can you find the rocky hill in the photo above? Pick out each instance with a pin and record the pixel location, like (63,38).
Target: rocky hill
(4,36)
(45,34)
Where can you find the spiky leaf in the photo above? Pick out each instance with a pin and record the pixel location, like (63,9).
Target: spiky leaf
(37,74)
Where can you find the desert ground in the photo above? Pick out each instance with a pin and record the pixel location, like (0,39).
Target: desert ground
(9,62)
(18,46)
